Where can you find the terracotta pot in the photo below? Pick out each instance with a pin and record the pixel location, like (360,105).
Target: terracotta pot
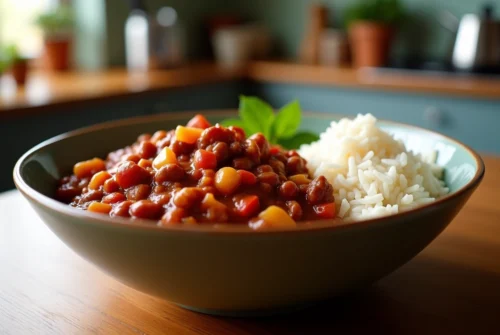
(57,53)
(370,43)
(19,71)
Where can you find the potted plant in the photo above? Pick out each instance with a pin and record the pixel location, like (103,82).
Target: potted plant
(57,29)
(371,26)
(18,65)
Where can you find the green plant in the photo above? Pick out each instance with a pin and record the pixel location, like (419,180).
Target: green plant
(281,128)
(389,12)
(12,54)
(57,21)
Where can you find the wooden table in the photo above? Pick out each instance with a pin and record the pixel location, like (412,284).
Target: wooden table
(452,287)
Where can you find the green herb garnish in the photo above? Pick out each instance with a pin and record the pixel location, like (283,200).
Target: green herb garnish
(281,128)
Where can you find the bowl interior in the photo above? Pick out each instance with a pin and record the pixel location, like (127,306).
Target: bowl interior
(41,168)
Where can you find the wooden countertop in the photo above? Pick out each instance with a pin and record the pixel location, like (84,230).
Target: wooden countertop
(373,79)
(46,89)
(452,287)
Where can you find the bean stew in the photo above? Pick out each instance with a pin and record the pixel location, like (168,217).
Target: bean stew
(198,174)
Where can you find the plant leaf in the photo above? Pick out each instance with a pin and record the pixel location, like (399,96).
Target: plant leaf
(257,115)
(297,140)
(235,122)
(287,120)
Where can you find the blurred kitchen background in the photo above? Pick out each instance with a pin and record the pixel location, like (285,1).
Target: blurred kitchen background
(68,64)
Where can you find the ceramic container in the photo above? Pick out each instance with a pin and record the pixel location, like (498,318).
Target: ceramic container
(232,270)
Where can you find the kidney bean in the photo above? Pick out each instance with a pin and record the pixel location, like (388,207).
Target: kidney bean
(270,178)
(295,165)
(146,209)
(221,151)
(235,148)
(263,168)
(239,133)
(111,186)
(169,173)
(130,174)
(181,148)
(173,215)
(121,209)
(214,134)
(263,145)
(147,150)
(113,198)
(243,163)
(294,210)
(92,195)
(188,197)
(138,192)
(160,198)
(277,165)
(252,151)
(319,191)
(288,190)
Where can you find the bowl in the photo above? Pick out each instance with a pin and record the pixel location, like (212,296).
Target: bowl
(232,270)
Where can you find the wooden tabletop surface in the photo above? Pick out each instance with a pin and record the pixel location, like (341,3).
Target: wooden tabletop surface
(452,287)
(48,89)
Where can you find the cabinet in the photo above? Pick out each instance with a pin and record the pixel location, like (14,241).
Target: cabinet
(475,122)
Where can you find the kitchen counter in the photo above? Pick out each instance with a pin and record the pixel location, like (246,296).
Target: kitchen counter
(46,90)
(441,83)
(452,287)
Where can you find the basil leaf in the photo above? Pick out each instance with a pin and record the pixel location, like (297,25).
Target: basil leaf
(287,120)
(237,123)
(257,115)
(297,140)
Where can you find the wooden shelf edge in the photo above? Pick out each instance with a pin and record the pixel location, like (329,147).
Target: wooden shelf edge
(371,79)
(45,91)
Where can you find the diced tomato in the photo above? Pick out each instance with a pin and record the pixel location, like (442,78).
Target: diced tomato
(205,159)
(247,205)
(274,150)
(325,211)
(199,121)
(247,178)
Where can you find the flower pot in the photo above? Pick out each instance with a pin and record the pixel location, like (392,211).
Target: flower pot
(57,53)
(370,43)
(19,71)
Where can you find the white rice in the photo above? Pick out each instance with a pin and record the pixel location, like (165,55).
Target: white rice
(372,174)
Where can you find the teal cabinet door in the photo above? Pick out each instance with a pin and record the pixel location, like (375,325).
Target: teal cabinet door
(475,122)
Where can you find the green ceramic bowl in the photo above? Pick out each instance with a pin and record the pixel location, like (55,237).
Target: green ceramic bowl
(233,270)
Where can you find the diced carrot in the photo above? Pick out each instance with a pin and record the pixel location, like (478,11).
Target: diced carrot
(247,177)
(166,156)
(199,121)
(99,207)
(187,134)
(247,205)
(98,180)
(204,159)
(88,168)
(325,211)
